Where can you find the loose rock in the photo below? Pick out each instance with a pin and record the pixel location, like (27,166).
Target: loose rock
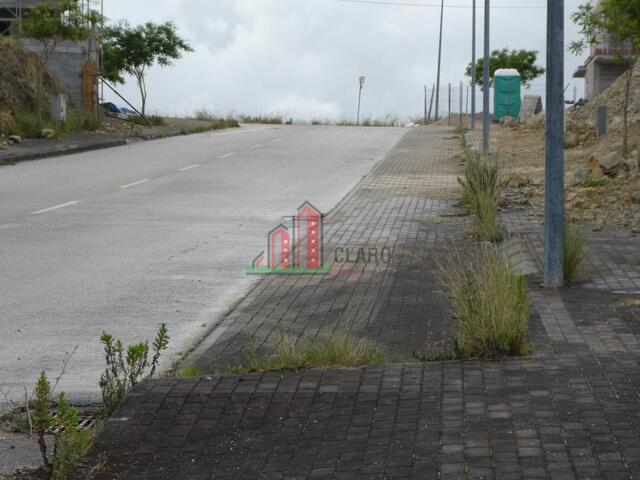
(610,163)
(15,139)
(48,133)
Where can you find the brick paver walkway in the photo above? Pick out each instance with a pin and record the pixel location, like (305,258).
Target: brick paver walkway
(570,410)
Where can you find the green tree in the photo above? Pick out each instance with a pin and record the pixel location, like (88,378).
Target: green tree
(618,22)
(133,50)
(50,23)
(524,61)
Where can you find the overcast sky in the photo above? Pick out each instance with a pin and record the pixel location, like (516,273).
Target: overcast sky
(302,58)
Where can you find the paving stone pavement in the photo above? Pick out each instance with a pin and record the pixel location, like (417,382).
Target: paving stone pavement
(570,410)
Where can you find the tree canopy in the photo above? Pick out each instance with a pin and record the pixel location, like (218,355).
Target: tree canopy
(524,61)
(51,22)
(617,20)
(132,50)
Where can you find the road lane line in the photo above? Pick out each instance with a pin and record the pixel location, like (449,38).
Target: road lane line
(227,155)
(277,139)
(189,167)
(257,145)
(55,207)
(129,185)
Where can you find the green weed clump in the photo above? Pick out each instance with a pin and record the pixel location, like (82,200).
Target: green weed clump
(337,350)
(573,247)
(125,368)
(27,126)
(491,303)
(482,188)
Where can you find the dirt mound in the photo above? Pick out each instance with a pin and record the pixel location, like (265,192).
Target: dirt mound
(19,82)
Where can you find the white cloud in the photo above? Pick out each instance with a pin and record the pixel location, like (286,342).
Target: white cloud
(304,56)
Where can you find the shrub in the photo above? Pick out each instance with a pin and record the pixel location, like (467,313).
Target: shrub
(482,187)
(573,246)
(336,350)
(204,115)
(70,441)
(491,303)
(125,369)
(40,415)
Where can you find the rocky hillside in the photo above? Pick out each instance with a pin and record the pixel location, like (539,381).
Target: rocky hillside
(603,187)
(613,99)
(19,82)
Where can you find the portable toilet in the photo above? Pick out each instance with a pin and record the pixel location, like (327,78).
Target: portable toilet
(507,89)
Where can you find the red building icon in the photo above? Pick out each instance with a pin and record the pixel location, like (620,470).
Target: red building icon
(308,233)
(279,248)
(297,248)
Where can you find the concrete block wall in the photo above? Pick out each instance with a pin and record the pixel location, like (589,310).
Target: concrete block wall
(66,64)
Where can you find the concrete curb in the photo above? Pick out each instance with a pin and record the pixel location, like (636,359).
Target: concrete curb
(11,159)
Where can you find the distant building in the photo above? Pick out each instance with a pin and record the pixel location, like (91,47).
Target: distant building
(74,63)
(603,66)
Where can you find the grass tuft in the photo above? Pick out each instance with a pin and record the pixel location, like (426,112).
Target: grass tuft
(595,182)
(337,350)
(573,246)
(189,371)
(268,119)
(482,187)
(491,302)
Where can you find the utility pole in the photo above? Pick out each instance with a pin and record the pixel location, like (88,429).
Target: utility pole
(473,67)
(433,89)
(486,88)
(466,105)
(554,148)
(461,98)
(361,84)
(439,61)
(425,103)
(449,104)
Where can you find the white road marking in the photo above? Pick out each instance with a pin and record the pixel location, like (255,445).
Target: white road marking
(277,139)
(227,155)
(257,145)
(56,207)
(135,183)
(189,167)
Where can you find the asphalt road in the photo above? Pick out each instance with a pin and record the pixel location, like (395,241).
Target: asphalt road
(127,238)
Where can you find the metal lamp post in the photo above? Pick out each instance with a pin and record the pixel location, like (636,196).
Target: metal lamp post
(473,67)
(554,148)
(486,88)
(361,84)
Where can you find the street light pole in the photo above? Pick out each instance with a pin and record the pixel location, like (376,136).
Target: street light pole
(439,61)
(361,84)
(486,89)
(554,148)
(473,67)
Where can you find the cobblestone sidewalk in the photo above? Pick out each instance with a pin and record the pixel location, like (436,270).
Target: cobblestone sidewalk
(569,411)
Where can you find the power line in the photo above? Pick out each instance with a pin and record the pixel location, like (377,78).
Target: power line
(433,5)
